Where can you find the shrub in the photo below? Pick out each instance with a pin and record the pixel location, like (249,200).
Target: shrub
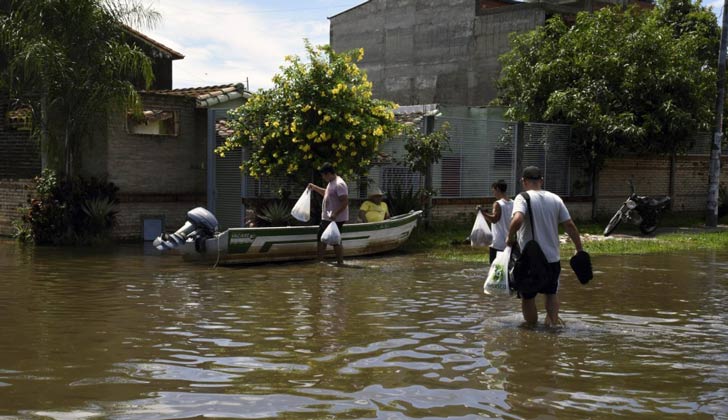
(77,211)
(276,213)
(403,200)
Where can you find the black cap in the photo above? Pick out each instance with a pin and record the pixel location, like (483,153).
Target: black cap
(532,172)
(327,168)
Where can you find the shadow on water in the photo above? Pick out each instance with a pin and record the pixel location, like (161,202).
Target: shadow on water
(127,333)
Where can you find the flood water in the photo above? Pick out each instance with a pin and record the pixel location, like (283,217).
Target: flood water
(125,333)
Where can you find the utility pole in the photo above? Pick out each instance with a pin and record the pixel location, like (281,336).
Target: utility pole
(711,214)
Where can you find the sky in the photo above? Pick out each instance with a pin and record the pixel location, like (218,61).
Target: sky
(231,41)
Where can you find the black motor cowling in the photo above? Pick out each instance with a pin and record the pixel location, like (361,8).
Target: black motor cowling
(200,224)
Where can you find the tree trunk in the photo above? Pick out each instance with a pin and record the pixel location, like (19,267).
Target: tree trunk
(595,191)
(711,210)
(44,143)
(429,123)
(673,171)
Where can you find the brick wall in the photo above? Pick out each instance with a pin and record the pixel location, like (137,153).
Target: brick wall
(651,176)
(13,194)
(158,175)
(459,211)
(129,219)
(20,155)
(158,164)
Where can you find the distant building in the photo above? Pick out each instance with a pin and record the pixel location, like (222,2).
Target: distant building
(446,52)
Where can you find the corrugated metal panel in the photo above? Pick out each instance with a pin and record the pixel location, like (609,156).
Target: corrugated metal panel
(228,183)
(482,152)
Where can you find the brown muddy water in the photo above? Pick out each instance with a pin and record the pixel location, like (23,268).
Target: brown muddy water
(125,333)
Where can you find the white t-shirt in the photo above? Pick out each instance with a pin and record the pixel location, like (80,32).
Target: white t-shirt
(500,228)
(548,212)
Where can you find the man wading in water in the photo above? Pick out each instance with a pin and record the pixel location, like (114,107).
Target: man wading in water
(548,212)
(335,207)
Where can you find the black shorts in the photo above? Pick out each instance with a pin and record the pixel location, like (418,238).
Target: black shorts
(322,227)
(551,287)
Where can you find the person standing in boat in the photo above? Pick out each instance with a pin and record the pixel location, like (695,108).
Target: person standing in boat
(500,219)
(335,207)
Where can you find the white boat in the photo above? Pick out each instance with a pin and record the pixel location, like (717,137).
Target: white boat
(288,243)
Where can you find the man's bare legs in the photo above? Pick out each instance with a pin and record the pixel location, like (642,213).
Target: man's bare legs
(530,314)
(339,250)
(552,310)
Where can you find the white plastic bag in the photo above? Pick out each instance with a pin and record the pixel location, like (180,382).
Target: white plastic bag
(331,235)
(302,210)
(497,281)
(481,234)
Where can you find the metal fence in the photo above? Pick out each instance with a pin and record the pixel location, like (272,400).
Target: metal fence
(482,151)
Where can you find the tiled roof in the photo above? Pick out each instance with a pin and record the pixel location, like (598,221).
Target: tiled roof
(208,95)
(223,129)
(410,114)
(170,53)
(21,118)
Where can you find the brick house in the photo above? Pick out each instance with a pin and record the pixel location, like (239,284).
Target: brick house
(422,52)
(158,162)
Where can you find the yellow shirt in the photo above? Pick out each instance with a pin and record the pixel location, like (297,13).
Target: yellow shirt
(374,212)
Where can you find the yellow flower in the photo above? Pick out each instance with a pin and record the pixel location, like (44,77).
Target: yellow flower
(305,108)
(293,127)
(327,118)
(353,153)
(305,147)
(378,131)
(263,161)
(361,54)
(312,134)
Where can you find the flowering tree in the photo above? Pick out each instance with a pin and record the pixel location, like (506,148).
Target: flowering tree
(320,110)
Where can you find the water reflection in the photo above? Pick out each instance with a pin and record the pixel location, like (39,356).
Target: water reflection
(128,334)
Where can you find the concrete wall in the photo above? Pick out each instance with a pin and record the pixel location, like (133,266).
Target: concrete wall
(418,52)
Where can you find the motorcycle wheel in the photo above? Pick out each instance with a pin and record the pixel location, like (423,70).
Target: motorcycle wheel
(613,223)
(647,229)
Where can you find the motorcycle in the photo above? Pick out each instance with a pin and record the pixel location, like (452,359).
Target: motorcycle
(640,210)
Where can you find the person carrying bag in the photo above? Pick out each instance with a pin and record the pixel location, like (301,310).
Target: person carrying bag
(538,266)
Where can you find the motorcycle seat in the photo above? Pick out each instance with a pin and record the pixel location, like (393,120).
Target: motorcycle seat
(660,201)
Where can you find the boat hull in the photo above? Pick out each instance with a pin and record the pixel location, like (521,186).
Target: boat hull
(289,243)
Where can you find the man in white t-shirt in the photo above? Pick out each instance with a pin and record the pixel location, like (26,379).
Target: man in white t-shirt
(548,212)
(335,207)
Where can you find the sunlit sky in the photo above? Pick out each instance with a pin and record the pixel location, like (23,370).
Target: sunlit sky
(229,41)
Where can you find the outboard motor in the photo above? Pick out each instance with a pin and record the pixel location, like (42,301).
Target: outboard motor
(200,225)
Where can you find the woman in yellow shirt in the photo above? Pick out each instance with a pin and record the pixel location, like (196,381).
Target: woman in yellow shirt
(374,209)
